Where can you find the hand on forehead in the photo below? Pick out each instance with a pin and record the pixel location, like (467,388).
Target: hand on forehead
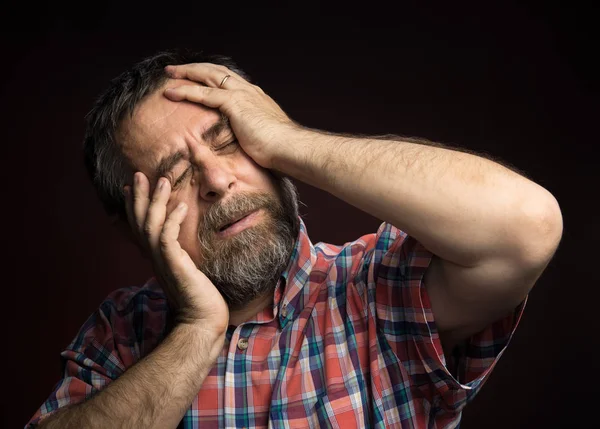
(157,106)
(175,82)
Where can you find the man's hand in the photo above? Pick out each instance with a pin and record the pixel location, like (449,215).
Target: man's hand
(190,293)
(259,124)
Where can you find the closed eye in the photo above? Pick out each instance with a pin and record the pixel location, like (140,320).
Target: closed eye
(229,145)
(183,176)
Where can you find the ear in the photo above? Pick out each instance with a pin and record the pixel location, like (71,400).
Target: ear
(125,231)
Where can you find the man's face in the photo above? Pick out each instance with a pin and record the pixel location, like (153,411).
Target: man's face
(240,225)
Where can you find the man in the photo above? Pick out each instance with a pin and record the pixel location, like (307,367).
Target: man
(246,322)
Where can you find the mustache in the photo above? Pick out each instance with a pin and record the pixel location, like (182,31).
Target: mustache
(235,207)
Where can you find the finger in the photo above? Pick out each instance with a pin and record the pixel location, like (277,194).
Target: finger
(228,71)
(202,72)
(139,202)
(155,216)
(228,78)
(176,259)
(169,245)
(210,97)
(207,73)
(171,228)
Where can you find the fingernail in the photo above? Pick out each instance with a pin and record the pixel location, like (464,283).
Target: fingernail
(181,206)
(161,183)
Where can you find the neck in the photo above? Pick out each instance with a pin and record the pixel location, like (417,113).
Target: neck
(251,309)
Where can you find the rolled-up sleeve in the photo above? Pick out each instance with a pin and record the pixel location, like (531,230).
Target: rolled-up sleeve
(405,317)
(89,363)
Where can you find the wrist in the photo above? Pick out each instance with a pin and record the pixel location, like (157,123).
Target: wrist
(210,335)
(295,150)
(307,156)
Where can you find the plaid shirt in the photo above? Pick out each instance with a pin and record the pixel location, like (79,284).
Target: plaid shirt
(350,342)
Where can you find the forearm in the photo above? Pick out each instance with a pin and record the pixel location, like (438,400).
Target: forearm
(460,206)
(154,393)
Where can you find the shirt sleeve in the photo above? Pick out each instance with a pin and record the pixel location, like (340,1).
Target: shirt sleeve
(89,363)
(405,317)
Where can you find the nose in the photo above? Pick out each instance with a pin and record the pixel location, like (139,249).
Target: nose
(216,179)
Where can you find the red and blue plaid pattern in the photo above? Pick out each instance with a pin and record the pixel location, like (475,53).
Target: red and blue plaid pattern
(350,342)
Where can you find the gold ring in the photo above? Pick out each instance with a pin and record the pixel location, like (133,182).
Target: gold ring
(224,80)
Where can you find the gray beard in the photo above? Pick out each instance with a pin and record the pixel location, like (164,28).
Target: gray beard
(249,264)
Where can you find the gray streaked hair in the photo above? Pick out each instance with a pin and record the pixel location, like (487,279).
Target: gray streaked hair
(104,161)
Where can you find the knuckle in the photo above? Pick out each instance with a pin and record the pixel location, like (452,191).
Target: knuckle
(135,196)
(147,230)
(155,198)
(193,91)
(163,242)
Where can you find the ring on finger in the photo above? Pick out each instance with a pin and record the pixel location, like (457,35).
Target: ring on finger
(224,80)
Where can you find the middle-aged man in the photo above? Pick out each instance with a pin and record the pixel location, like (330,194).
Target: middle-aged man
(246,323)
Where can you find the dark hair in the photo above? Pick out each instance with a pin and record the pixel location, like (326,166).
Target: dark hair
(103,158)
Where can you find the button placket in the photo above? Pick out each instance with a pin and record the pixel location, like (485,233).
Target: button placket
(230,386)
(233,389)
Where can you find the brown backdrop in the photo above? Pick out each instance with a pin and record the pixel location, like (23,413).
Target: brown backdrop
(512,81)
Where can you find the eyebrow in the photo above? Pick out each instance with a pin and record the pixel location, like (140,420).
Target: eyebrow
(215,130)
(209,135)
(168,163)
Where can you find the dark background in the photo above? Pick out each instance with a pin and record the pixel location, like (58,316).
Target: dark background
(514,80)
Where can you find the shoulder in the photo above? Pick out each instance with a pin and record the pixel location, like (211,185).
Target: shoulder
(133,299)
(132,320)
(360,264)
(389,246)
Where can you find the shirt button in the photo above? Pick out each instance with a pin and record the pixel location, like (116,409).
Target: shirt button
(243,343)
(284,310)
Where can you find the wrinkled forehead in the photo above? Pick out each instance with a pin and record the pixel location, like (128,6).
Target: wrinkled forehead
(156,121)
(155,109)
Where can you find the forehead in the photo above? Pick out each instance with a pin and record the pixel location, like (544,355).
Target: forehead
(159,126)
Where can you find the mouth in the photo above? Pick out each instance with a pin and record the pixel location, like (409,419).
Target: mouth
(236,219)
(238,224)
